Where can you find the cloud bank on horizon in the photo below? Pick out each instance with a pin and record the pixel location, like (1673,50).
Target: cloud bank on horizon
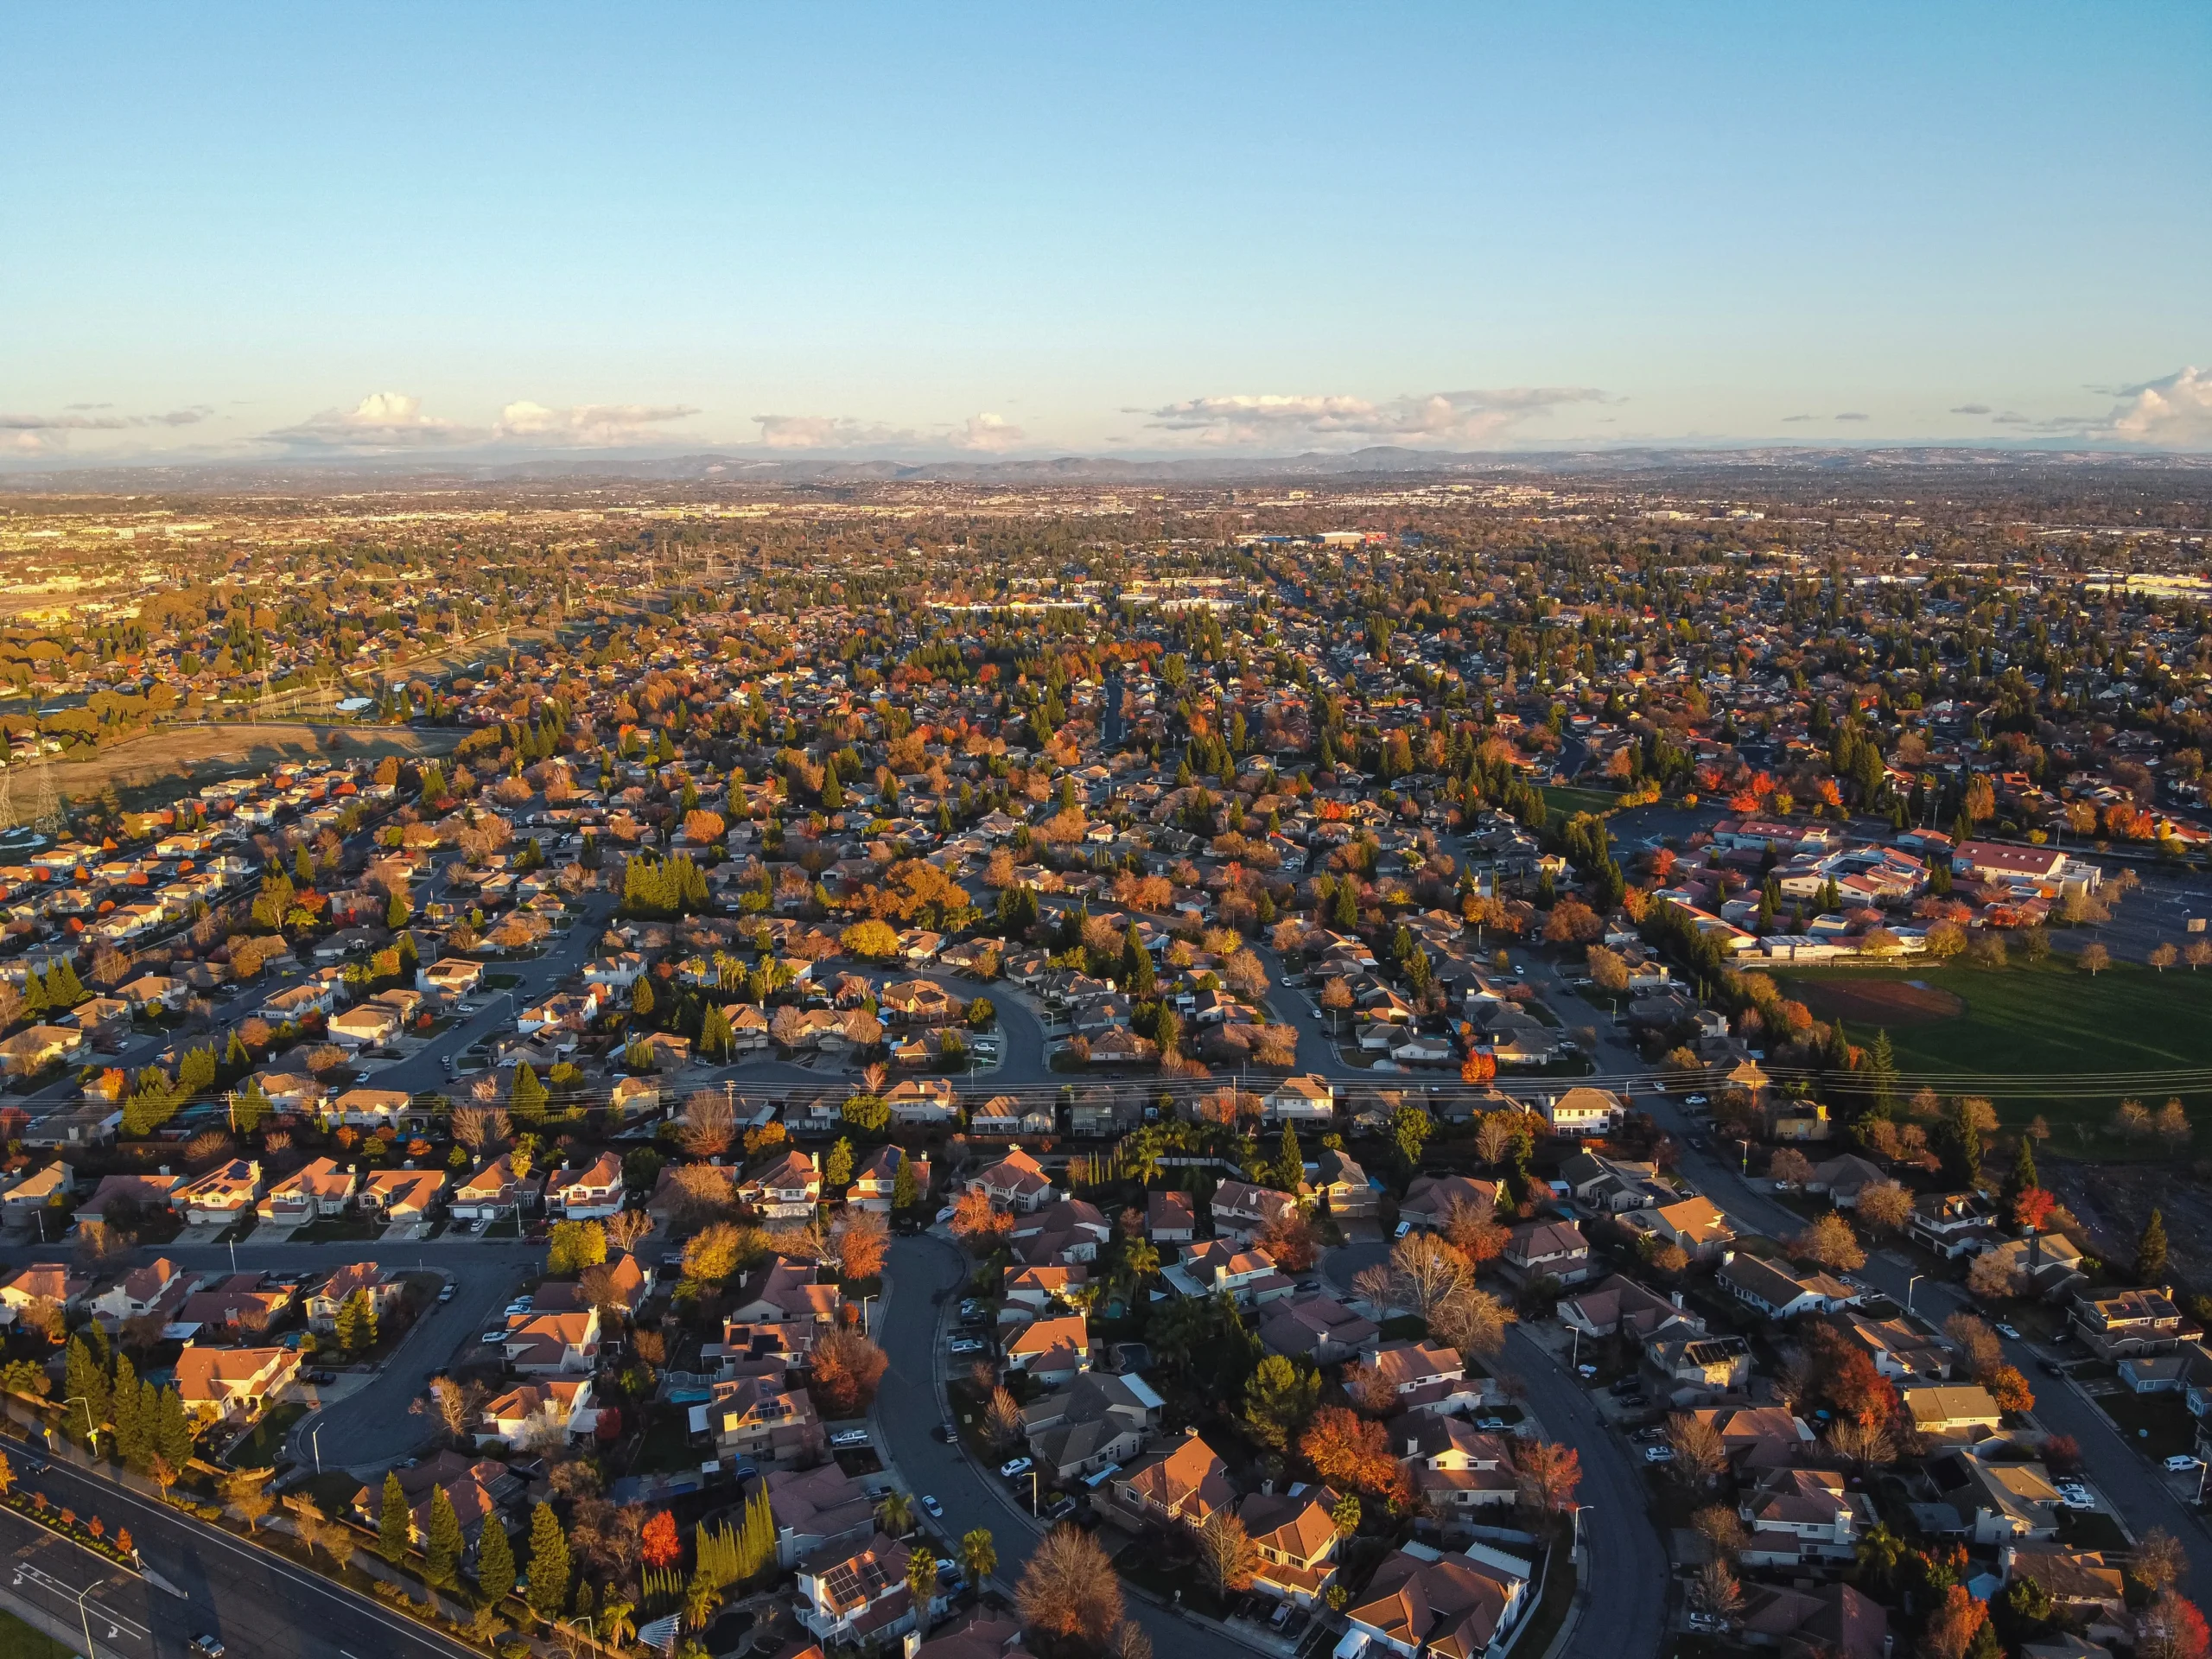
(2171,413)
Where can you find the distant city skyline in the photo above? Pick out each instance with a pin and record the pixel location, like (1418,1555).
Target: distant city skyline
(241,232)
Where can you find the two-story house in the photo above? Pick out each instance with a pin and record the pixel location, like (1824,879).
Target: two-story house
(544,1344)
(1454,1465)
(1247,1273)
(1098,1420)
(1051,1350)
(786,1188)
(1294,1536)
(875,1181)
(1016,1182)
(1185,1482)
(1244,1211)
(1421,1602)
(1780,1290)
(314,1190)
(1802,1515)
(221,1195)
(383,1289)
(587,1194)
(2132,1323)
(1548,1250)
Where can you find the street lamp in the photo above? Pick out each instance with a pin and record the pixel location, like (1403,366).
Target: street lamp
(78,1596)
(1909,1284)
(92,1429)
(314,1438)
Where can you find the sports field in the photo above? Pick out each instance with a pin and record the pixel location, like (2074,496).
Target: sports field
(2048,1039)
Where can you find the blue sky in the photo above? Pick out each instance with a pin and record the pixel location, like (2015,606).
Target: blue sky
(288,231)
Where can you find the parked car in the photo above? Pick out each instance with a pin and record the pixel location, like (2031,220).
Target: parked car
(1015,1468)
(207,1645)
(1658,1454)
(845,1438)
(932,1507)
(1711,1623)
(446,1295)
(490,1336)
(2181,1463)
(2007,1332)
(966,1345)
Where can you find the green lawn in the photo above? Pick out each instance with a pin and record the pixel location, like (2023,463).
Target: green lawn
(19,1641)
(260,1449)
(1565,798)
(2048,1020)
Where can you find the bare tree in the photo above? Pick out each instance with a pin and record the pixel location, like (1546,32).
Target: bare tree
(1228,1559)
(478,1127)
(625,1229)
(1069,1590)
(1700,1455)
(709,1125)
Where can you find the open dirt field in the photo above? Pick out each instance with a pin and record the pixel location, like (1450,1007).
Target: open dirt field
(147,771)
(1879,1001)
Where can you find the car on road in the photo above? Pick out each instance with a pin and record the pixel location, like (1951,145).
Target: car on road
(2181,1464)
(2007,1332)
(845,1438)
(945,1215)
(209,1645)
(1696,1100)
(965,1345)
(490,1336)
(932,1507)
(1658,1454)
(942,1433)
(361,1076)
(1586,1372)
(446,1295)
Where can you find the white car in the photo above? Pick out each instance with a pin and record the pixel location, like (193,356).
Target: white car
(1658,1454)
(966,1345)
(490,1336)
(2181,1463)
(2007,1332)
(848,1438)
(1014,1469)
(1708,1622)
(932,1507)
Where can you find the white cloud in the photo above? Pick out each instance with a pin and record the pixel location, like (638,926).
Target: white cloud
(1443,417)
(827,432)
(2173,413)
(37,435)
(381,423)
(592,425)
(993,433)
(1971,409)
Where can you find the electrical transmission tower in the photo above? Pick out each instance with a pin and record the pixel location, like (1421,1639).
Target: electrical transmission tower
(46,815)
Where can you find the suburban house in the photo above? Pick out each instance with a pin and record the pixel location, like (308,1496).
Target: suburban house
(1099,1420)
(558,1411)
(875,1180)
(785,1189)
(1610,1186)
(1318,1327)
(587,1194)
(856,1598)
(1247,1273)
(761,1420)
(1341,1187)
(1779,1290)
(1802,1515)
(1304,1099)
(233,1384)
(1431,1200)
(222,1195)
(1171,1217)
(33,1050)
(1421,1602)
(46,1282)
(1900,1350)
(492,1192)
(382,1290)
(1694,1368)
(321,1188)
(369,1025)
(1016,1182)
(1426,1377)
(2000,1501)
(1548,1250)
(1244,1211)
(1695,1224)
(1956,1411)
(783,1292)
(1185,1482)
(2132,1323)
(400,1195)
(40,1189)
(1621,1304)
(1455,1465)
(1052,1351)
(1295,1536)
(369,1108)
(817,1508)
(1583,1111)
(543,1343)
(158,1288)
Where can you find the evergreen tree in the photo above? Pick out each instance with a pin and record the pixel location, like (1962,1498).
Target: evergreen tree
(756,1536)
(905,1186)
(397,912)
(549,1563)
(2024,1172)
(1290,1159)
(172,1431)
(641,996)
(360,1331)
(1344,909)
(2151,1251)
(131,1442)
(84,1379)
(526,1096)
(444,1545)
(495,1562)
(714,1036)
(838,1168)
(392,1532)
(1882,1069)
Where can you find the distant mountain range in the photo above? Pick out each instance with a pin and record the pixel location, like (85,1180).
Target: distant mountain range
(1395,462)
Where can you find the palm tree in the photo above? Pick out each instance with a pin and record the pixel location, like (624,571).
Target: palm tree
(615,1623)
(897,1514)
(700,1600)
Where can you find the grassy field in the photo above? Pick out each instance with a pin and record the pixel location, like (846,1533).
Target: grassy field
(147,771)
(19,1641)
(1565,798)
(1961,1028)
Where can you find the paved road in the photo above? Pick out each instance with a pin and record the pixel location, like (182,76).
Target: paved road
(1624,1605)
(907,1407)
(255,1602)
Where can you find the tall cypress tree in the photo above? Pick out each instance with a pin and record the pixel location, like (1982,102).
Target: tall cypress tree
(393,1533)
(2151,1250)
(549,1563)
(2023,1171)
(444,1544)
(129,1425)
(495,1562)
(172,1431)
